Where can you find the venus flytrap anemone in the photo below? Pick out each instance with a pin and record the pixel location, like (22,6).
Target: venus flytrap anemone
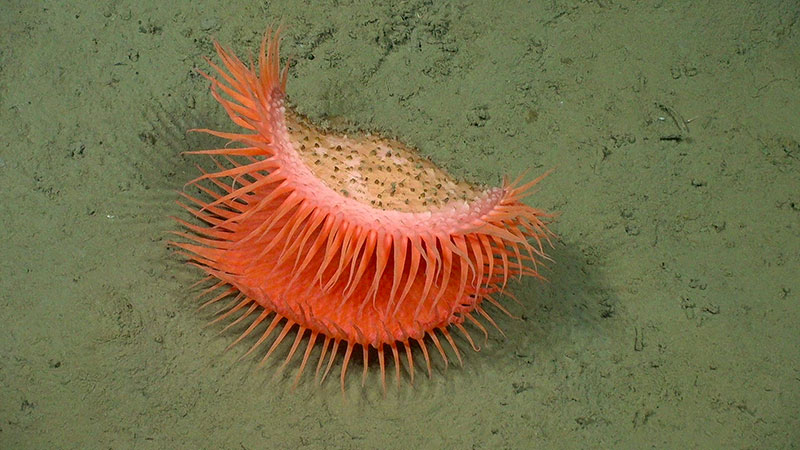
(352,242)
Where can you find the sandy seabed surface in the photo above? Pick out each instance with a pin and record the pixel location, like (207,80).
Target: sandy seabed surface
(670,319)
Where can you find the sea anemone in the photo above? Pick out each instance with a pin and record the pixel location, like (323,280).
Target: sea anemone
(347,241)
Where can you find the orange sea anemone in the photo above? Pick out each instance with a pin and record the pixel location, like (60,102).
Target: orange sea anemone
(346,241)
